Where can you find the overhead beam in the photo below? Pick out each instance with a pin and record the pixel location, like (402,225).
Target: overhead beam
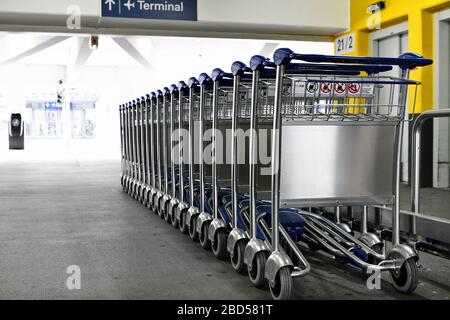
(35,49)
(132,51)
(78,58)
(84,52)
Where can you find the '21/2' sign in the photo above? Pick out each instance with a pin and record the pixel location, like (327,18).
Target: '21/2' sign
(345,44)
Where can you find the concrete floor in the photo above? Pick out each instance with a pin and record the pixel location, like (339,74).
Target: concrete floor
(53,215)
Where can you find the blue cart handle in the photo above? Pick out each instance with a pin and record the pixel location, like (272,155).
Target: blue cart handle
(173,88)
(204,78)
(260,63)
(182,86)
(239,68)
(166,91)
(219,74)
(159,94)
(263,64)
(192,82)
(406,61)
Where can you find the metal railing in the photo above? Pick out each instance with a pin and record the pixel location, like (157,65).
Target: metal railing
(415,162)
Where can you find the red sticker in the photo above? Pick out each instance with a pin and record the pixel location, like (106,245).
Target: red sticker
(340,87)
(354,88)
(325,87)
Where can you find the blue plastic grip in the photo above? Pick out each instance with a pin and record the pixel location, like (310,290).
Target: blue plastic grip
(192,82)
(182,85)
(239,68)
(204,78)
(173,88)
(166,91)
(260,62)
(219,74)
(406,61)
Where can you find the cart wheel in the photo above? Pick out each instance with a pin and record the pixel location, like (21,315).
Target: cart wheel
(193,229)
(406,280)
(256,270)
(219,245)
(182,223)
(166,214)
(237,261)
(174,221)
(281,289)
(203,236)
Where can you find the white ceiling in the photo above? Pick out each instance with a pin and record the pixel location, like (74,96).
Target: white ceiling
(32,63)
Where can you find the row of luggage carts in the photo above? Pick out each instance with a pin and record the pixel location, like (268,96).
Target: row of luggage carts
(251,162)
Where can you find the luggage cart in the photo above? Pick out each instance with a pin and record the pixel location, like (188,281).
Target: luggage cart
(151,195)
(221,175)
(183,125)
(140,146)
(129,160)
(239,236)
(225,177)
(123,146)
(291,224)
(193,194)
(146,141)
(167,176)
(205,122)
(159,152)
(174,167)
(135,147)
(347,152)
(132,126)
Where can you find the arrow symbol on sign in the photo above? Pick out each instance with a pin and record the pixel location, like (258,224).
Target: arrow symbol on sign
(110,3)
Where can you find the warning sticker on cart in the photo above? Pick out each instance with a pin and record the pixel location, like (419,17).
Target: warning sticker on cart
(332,89)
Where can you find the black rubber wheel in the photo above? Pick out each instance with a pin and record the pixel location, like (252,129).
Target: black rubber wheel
(219,245)
(406,280)
(166,213)
(257,269)
(237,261)
(160,210)
(174,220)
(193,229)
(282,288)
(203,236)
(182,223)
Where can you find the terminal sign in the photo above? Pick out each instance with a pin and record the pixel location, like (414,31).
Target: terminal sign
(151,9)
